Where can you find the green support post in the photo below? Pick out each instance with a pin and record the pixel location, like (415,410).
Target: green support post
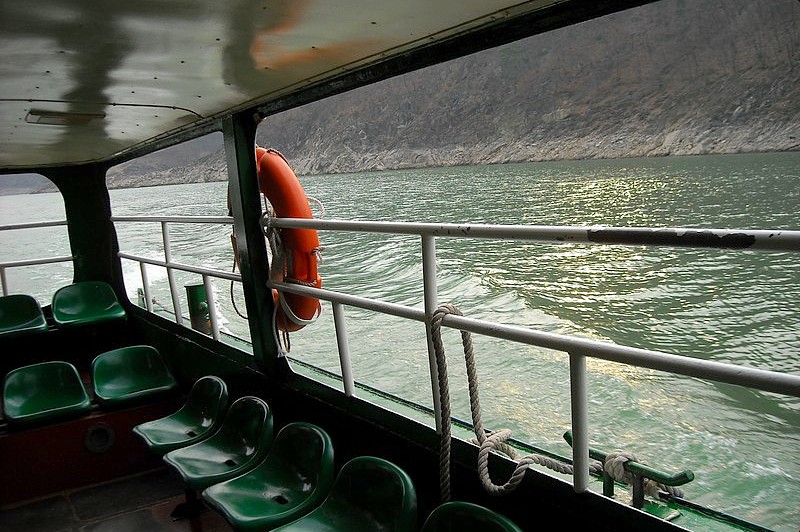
(198,308)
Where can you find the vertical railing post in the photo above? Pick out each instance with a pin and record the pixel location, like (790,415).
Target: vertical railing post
(212,307)
(431,299)
(173,289)
(344,349)
(146,287)
(3,280)
(580,422)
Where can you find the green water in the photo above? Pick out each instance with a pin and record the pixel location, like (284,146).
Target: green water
(728,306)
(741,307)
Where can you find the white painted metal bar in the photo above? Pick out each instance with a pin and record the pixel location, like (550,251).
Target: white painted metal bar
(212,306)
(580,422)
(231,276)
(393,309)
(765,380)
(19,263)
(32,225)
(31,262)
(146,287)
(343,343)
(755,239)
(34,262)
(173,288)
(431,301)
(176,219)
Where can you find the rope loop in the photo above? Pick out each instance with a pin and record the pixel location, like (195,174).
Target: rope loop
(495,441)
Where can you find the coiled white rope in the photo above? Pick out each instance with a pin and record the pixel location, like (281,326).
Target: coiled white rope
(494,441)
(614,463)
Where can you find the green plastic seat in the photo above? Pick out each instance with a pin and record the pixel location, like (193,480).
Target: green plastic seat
(130,374)
(238,446)
(44,392)
(199,417)
(85,303)
(457,516)
(370,495)
(293,479)
(20,314)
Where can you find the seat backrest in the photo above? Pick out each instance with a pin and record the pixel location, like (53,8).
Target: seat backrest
(378,488)
(456,516)
(129,373)
(303,452)
(246,430)
(207,401)
(86,302)
(44,391)
(20,314)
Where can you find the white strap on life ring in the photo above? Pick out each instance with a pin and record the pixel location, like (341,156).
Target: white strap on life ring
(294,318)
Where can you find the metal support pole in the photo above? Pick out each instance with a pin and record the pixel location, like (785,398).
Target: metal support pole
(212,307)
(251,250)
(4,281)
(344,349)
(580,422)
(431,298)
(173,287)
(146,287)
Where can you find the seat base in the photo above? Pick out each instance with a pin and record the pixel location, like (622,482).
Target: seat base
(190,508)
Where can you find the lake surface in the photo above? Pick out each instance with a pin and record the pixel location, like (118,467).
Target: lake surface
(728,306)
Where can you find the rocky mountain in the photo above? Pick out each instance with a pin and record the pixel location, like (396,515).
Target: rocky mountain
(671,78)
(677,77)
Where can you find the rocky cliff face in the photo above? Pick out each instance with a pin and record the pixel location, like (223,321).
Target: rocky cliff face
(671,78)
(677,77)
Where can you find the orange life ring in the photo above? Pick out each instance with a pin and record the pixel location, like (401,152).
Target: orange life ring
(282,189)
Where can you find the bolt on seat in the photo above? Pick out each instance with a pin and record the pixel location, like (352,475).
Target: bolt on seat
(456,516)
(239,445)
(84,303)
(130,373)
(199,417)
(44,392)
(369,494)
(20,314)
(291,481)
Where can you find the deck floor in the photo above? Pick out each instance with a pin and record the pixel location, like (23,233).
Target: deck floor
(140,503)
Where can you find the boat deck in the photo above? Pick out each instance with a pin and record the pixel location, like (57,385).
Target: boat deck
(139,503)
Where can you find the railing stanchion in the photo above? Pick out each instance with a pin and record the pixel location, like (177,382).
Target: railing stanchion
(173,288)
(431,299)
(580,422)
(4,281)
(344,349)
(148,301)
(212,307)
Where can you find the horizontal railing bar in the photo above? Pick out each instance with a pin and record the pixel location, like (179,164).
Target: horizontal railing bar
(32,225)
(176,219)
(384,307)
(34,262)
(757,239)
(765,380)
(231,276)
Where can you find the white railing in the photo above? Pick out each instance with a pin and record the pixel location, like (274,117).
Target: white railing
(32,262)
(577,349)
(171,266)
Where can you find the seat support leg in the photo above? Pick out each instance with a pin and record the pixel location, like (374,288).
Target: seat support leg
(190,508)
